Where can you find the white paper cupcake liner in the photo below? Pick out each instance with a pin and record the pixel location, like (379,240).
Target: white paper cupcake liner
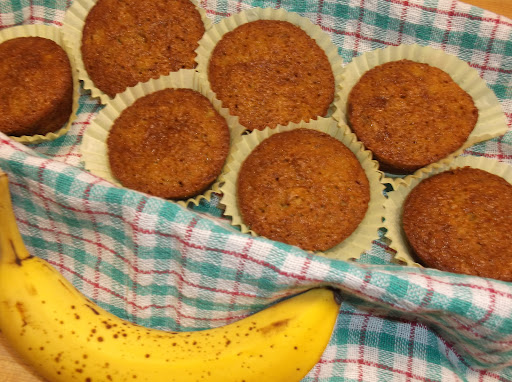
(54,34)
(402,187)
(367,231)
(217,31)
(491,119)
(73,25)
(94,147)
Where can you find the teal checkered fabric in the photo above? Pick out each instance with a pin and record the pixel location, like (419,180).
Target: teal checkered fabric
(158,264)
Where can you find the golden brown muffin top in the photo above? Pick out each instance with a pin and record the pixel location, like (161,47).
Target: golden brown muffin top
(304,188)
(271,72)
(410,114)
(35,79)
(129,41)
(171,143)
(460,221)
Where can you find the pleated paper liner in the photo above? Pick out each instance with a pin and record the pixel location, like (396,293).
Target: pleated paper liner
(73,25)
(94,148)
(402,187)
(491,119)
(217,31)
(54,34)
(367,231)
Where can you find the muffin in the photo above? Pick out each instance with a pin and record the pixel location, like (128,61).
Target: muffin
(36,86)
(171,143)
(131,41)
(270,72)
(460,221)
(410,114)
(304,188)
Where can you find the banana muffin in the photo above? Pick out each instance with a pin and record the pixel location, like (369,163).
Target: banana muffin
(460,221)
(270,72)
(129,41)
(303,187)
(171,143)
(410,115)
(36,85)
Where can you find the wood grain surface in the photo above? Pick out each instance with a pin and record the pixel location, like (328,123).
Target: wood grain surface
(501,7)
(13,369)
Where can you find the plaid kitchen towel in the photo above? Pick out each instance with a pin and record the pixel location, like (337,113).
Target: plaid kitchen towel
(161,265)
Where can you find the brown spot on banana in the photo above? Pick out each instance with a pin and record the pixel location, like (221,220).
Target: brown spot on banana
(31,290)
(20,307)
(274,326)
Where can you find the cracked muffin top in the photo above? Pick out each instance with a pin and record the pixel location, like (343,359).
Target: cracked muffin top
(271,72)
(129,41)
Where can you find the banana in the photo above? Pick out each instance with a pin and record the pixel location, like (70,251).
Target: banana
(66,337)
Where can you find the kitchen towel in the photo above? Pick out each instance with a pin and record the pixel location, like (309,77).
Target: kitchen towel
(161,265)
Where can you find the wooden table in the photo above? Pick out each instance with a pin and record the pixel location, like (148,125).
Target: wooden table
(501,7)
(13,369)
